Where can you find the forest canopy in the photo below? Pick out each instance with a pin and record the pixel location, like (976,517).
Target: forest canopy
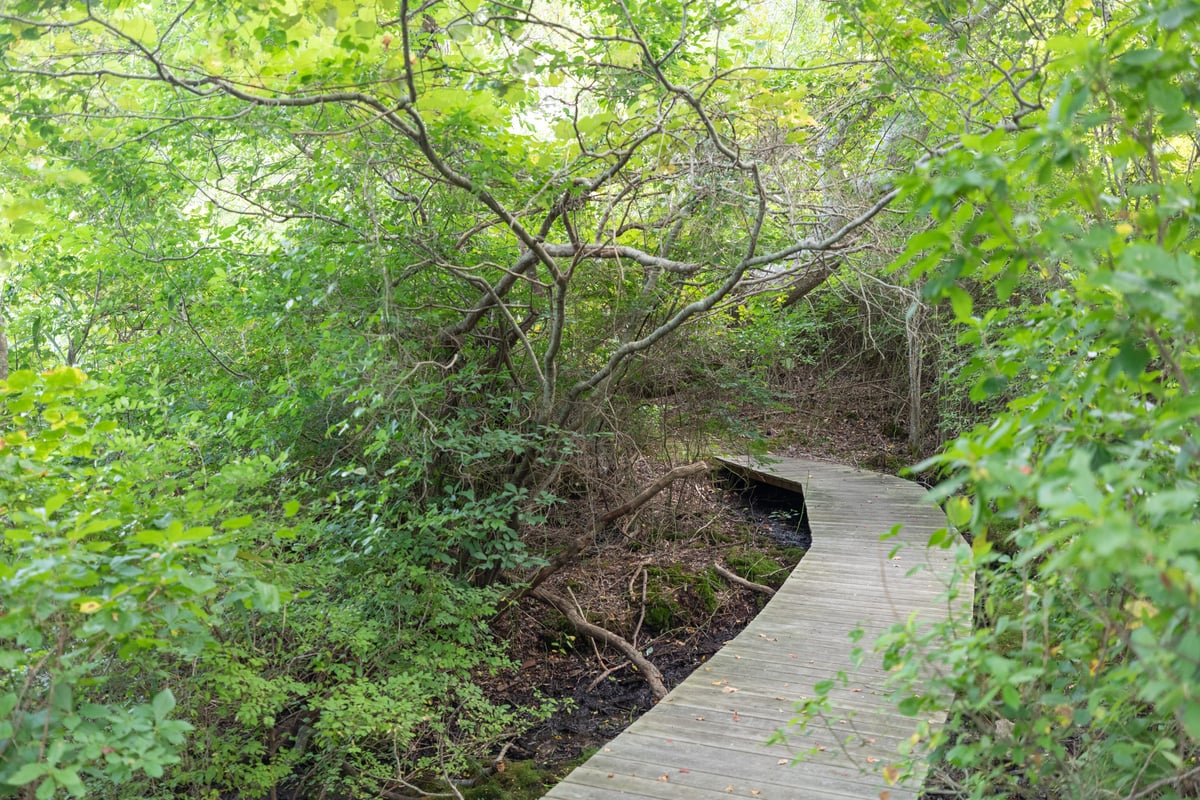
(315,317)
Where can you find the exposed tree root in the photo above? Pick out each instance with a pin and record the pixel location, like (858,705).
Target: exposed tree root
(594,632)
(733,577)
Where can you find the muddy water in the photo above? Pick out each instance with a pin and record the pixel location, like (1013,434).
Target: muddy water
(780,512)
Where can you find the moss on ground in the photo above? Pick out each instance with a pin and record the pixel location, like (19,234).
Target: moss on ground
(760,567)
(523,780)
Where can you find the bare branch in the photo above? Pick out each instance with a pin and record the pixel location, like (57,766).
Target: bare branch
(595,632)
(733,577)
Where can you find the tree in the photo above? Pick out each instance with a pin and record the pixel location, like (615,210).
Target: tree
(406,259)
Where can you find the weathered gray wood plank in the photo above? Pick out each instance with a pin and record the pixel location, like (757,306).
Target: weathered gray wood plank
(708,738)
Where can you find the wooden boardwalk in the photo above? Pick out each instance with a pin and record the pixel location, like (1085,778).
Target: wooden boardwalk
(707,739)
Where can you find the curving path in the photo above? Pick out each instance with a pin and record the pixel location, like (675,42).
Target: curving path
(707,739)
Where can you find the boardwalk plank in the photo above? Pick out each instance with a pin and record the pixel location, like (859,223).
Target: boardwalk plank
(708,738)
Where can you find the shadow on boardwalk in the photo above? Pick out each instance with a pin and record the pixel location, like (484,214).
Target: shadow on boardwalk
(707,739)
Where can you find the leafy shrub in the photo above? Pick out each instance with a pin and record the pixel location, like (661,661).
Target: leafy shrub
(103,589)
(1082,498)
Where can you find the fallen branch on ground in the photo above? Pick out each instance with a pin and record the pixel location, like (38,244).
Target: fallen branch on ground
(650,672)
(733,577)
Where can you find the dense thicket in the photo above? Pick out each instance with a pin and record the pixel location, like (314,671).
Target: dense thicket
(313,313)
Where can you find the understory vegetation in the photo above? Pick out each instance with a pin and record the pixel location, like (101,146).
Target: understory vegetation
(360,364)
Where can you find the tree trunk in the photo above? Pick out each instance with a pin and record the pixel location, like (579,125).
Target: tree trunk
(912,330)
(812,278)
(3,349)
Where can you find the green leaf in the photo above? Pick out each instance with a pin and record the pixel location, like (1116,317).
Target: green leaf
(69,780)
(55,503)
(266,596)
(1175,15)
(1131,359)
(21,379)
(961,303)
(1141,58)
(1191,719)
(959,511)
(23,226)
(989,386)
(162,704)
(28,773)
(65,378)
(290,508)
(199,584)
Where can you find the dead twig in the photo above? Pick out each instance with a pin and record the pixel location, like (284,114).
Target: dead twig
(642,612)
(591,687)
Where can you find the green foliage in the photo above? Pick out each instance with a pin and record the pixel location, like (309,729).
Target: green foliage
(770,342)
(675,595)
(520,780)
(1082,497)
(332,263)
(94,572)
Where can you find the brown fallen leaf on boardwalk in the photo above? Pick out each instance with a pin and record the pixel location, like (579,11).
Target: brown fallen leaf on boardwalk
(729,690)
(664,777)
(729,789)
